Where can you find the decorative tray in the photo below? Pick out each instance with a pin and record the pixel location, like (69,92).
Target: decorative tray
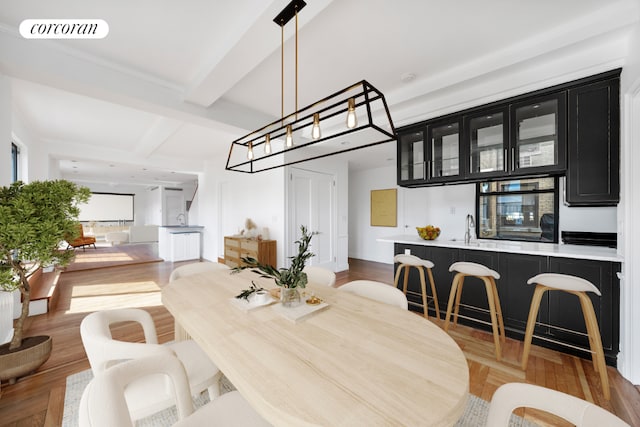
(248,305)
(300,312)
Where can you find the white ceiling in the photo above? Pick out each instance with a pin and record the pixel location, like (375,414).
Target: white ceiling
(175,82)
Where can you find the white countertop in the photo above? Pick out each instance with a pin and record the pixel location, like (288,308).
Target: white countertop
(529,248)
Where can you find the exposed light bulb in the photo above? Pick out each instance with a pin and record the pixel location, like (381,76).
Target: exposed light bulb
(315,129)
(352,119)
(250,151)
(289,138)
(267,144)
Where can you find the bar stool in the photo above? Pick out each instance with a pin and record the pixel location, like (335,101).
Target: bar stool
(488,276)
(408,261)
(578,287)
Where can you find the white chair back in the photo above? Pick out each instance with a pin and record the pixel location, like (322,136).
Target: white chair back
(377,291)
(103,402)
(577,411)
(196,268)
(320,276)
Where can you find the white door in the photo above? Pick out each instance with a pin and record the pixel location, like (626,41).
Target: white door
(312,203)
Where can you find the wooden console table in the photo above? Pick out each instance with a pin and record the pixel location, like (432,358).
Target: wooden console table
(236,248)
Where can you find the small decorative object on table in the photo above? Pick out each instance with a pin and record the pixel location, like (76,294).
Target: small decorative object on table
(253,290)
(289,279)
(429,232)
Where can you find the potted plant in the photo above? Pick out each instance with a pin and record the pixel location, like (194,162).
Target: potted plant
(34,219)
(289,279)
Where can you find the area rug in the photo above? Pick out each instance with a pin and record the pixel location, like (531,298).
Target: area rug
(475,414)
(113,256)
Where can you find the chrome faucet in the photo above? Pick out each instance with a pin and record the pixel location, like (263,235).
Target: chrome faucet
(180,218)
(470,224)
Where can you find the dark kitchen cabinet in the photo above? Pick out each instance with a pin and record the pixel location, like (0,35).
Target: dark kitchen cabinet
(515,294)
(442,258)
(565,312)
(560,323)
(411,156)
(593,177)
(538,135)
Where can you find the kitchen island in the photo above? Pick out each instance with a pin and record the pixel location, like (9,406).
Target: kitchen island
(560,323)
(179,242)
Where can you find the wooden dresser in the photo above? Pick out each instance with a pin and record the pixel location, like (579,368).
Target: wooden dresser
(239,247)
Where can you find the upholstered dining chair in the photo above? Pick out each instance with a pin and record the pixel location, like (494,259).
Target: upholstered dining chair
(320,276)
(196,268)
(103,402)
(149,395)
(377,291)
(577,411)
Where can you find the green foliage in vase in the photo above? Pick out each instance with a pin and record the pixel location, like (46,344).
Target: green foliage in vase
(292,277)
(34,219)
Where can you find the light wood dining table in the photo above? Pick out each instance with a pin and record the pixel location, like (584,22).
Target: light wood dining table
(357,362)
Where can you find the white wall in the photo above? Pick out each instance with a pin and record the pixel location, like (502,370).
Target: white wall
(5,130)
(629,230)
(443,206)
(141,202)
(227,199)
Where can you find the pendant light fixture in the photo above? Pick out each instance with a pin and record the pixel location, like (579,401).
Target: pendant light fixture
(353,118)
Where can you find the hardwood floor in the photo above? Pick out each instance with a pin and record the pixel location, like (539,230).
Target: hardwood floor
(37,400)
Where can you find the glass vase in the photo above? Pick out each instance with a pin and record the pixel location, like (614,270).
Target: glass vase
(289,297)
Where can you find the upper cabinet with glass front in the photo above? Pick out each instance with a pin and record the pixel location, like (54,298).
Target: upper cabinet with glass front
(444,160)
(430,154)
(487,141)
(411,156)
(538,137)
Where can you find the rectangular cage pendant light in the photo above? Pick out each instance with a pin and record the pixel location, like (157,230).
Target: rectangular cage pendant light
(353,118)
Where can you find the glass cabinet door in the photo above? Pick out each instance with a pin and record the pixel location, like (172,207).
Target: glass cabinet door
(539,134)
(411,154)
(445,151)
(488,140)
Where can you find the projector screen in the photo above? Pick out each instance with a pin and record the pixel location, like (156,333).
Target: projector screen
(107,207)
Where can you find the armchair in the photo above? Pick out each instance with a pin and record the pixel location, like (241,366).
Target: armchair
(81,241)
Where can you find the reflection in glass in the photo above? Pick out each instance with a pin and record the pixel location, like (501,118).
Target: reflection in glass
(411,156)
(536,134)
(445,146)
(518,210)
(487,143)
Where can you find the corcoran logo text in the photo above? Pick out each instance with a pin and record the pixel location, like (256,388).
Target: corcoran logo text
(64,29)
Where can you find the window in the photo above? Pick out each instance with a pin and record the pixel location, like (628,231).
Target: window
(520,209)
(15,154)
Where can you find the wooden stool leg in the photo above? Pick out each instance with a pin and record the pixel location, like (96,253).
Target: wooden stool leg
(423,287)
(496,300)
(406,278)
(434,293)
(397,278)
(494,321)
(596,340)
(531,322)
(458,297)
(452,296)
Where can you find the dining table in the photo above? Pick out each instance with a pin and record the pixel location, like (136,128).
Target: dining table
(354,362)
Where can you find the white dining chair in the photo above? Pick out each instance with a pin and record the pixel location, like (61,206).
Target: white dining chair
(103,402)
(377,291)
(577,411)
(196,268)
(320,276)
(150,395)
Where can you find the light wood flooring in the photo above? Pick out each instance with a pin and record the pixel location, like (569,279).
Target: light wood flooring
(37,400)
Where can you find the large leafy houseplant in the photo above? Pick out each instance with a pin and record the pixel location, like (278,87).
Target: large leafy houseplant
(289,278)
(34,219)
